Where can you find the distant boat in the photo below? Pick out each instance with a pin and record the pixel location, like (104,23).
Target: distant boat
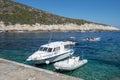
(82,31)
(70,64)
(92,39)
(1,31)
(19,31)
(52,52)
(72,39)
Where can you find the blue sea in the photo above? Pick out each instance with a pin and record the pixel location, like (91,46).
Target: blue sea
(103,56)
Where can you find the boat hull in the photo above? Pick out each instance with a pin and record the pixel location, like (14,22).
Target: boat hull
(68,67)
(54,58)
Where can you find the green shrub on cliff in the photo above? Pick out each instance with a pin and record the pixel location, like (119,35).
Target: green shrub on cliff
(12,13)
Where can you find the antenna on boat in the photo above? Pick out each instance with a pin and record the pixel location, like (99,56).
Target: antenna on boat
(50,38)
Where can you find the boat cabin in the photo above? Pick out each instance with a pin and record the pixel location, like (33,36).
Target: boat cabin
(56,46)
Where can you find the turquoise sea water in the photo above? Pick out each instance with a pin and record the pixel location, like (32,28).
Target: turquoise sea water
(103,56)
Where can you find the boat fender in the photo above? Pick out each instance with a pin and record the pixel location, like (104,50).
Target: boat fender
(47,62)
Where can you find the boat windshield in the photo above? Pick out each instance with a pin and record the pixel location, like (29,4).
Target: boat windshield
(67,47)
(49,49)
(46,49)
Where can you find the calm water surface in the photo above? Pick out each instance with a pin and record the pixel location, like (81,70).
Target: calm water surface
(103,56)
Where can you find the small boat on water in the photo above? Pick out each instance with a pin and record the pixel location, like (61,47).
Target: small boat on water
(1,31)
(72,39)
(92,39)
(70,64)
(52,52)
(19,31)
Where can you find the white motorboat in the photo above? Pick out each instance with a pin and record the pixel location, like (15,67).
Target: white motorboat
(72,39)
(1,31)
(19,31)
(92,39)
(70,64)
(52,52)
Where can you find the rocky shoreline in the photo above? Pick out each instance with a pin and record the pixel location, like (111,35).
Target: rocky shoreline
(57,27)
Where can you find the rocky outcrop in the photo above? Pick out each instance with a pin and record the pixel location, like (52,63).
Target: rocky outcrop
(57,27)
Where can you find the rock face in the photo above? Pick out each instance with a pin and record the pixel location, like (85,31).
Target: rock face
(57,27)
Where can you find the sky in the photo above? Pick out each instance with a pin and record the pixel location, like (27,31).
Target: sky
(99,11)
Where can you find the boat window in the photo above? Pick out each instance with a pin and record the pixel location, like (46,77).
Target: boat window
(67,46)
(56,49)
(41,48)
(45,49)
(49,49)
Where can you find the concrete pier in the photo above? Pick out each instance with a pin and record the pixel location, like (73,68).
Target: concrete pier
(10,70)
